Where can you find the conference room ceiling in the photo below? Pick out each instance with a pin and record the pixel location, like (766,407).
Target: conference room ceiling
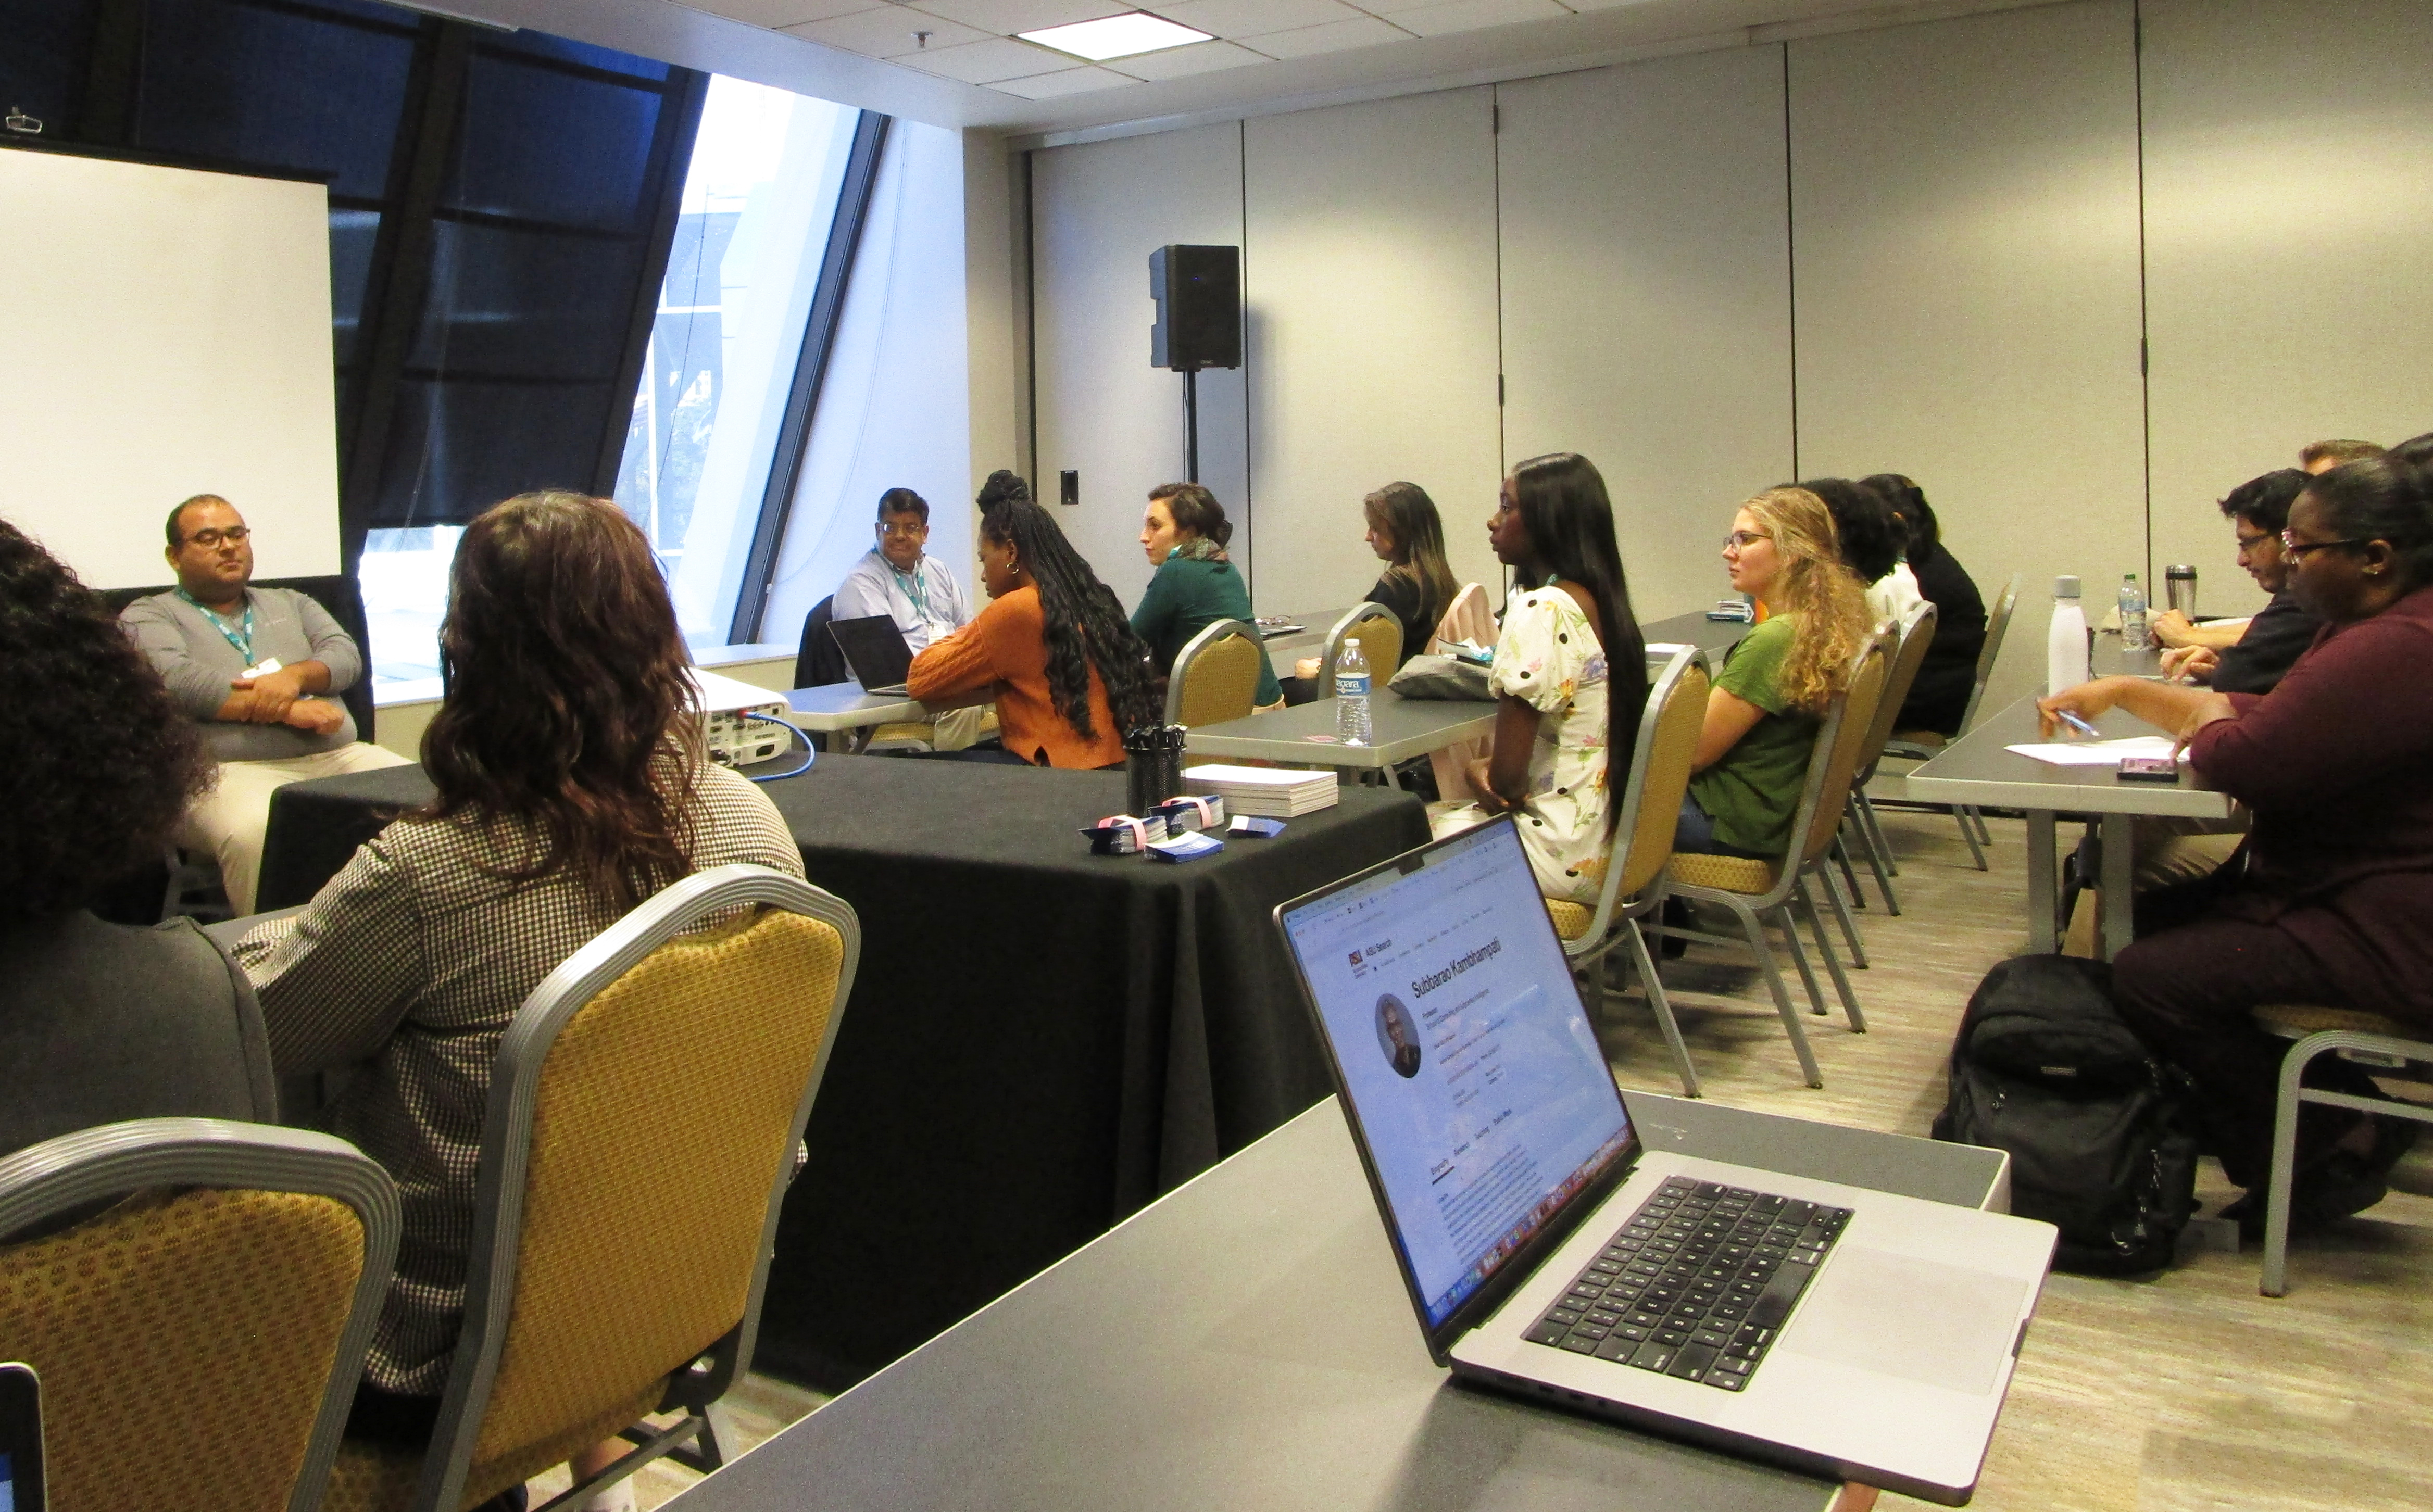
(961,64)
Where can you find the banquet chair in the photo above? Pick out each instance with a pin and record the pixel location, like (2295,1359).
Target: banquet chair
(1918,745)
(1648,807)
(1467,617)
(2319,1031)
(642,1124)
(1913,637)
(1215,676)
(1761,892)
(1381,641)
(197,1296)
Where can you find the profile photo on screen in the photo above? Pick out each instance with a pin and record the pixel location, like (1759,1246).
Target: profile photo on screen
(1397,1037)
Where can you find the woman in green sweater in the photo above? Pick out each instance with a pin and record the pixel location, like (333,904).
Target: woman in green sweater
(1184,532)
(1763,711)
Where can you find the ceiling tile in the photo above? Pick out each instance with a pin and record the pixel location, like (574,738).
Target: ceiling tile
(1334,37)
(1474,15)
(1065,81)
(887,32)
(1177,62)
(785,13)
(985,62)
(1003,18)
(1250,18)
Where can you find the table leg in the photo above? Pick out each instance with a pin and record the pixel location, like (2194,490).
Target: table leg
(2119,867)
(2044,893)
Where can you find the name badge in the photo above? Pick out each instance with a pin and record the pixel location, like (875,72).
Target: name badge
(261,669)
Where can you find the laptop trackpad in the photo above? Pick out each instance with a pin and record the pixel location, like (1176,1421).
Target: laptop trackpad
(1919,1320)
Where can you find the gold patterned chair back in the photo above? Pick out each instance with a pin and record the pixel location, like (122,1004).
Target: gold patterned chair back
(191,1339)
(1849,748)
(1678,719)
(1216,677)
(1381,641)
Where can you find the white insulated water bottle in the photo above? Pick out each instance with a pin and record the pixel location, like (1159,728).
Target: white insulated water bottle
(1352,695)
(2066,642)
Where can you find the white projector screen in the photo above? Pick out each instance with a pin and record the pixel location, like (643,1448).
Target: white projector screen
(165,333)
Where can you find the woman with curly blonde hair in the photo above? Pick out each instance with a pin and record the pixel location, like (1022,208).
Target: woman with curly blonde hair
(1763,711)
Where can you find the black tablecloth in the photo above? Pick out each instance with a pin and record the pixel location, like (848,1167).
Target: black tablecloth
(1039,1041)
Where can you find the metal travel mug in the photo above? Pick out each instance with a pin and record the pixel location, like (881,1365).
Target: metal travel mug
(2180,591)
(1142,758)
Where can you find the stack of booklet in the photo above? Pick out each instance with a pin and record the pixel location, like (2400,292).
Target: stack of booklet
(1269,793)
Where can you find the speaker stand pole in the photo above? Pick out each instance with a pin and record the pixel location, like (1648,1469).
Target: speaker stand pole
(1190,425)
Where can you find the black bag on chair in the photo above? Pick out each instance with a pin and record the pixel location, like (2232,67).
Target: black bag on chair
(2102,1141)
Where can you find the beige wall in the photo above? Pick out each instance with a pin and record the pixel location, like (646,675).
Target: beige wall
(1923,248)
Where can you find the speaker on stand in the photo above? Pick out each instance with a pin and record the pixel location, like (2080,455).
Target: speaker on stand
(1199,294)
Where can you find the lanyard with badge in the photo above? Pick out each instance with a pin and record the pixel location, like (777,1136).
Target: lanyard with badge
(240,638)
(915,588)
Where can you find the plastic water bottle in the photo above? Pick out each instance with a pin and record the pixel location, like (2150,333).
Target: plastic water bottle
(2066,642)
(1352,695)
(2134,634)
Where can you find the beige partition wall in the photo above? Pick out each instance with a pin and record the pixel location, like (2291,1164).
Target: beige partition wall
(1647,297)
(2289,218)
(1370,268)
(1965,225)
(1097,212)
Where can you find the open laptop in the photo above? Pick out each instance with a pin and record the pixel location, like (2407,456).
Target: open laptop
(874,648)
(1834,1329)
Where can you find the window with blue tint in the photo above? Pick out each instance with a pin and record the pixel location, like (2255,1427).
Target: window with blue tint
(42,67)
(510,302)
(543,144)
(750,239)
(582,53)
(295,88)
(354,235)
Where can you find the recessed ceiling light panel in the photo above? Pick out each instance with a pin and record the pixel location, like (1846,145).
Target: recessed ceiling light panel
(1115,36)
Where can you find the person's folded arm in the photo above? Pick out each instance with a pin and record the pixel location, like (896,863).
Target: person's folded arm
(201,692)
(341,660)
(2345,717)
(1728,717)
(1502,776)
(1158,608)
(337,979)
(958,663)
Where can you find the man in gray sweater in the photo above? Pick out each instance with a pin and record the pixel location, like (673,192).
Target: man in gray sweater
(253,665)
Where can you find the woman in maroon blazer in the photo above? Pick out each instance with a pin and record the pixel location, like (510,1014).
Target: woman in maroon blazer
(2331,899)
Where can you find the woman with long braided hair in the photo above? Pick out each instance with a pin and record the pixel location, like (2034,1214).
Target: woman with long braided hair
(1070,675)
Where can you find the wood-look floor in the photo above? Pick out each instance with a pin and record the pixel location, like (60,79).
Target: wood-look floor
(2185,1392)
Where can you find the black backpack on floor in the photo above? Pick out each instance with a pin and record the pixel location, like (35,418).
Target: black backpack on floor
(2102,1142)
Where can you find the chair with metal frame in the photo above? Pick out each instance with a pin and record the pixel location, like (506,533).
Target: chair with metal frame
(1215,676)
(1913,637)
(2319,1031)
(643,1119)
(1759,892)
(197,1296)
(1918,745)
(1381,641)
(1648,807)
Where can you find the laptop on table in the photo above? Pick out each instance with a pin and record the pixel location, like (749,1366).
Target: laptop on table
(874,648)
(1836,1330)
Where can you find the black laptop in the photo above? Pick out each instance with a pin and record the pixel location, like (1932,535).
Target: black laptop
(874,648)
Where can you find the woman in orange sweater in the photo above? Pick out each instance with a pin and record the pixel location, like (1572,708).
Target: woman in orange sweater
(1069,673)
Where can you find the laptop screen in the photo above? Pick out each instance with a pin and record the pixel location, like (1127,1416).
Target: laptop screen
(7,1483)
(1466,1061)
(875,649)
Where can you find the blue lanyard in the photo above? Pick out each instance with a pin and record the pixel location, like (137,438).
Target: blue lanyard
(245,646)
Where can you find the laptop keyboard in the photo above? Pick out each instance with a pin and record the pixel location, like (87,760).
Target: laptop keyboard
(1697,1283)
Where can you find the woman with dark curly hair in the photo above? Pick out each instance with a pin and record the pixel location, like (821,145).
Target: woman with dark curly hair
(1070,674)
(572,785)
(101,1022)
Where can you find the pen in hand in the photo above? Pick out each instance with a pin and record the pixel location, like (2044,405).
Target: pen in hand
(2076,723)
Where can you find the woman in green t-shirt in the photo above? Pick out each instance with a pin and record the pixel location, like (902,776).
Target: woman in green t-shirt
(1184,531)
(1764,710)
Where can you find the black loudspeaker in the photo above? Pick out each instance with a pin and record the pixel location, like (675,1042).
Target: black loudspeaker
(1199,294)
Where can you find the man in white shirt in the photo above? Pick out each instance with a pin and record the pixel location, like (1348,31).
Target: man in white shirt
(900,580)
(254,666)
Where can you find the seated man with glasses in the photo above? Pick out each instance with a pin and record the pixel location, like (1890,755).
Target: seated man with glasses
(2247,655)
(250,665)
(899,578)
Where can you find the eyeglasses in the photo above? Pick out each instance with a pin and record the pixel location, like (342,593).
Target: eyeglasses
(2297,549)
(1740,541)
(918,527)
(2249,543)
(210,539)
